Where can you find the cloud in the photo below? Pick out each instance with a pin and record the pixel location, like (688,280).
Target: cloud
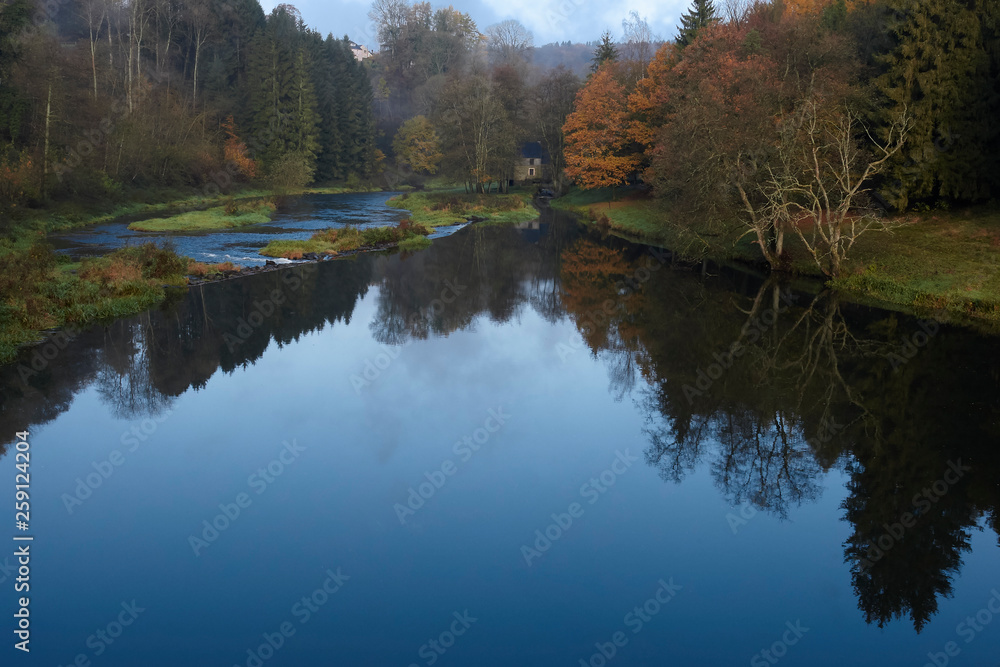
(585,20)
(549,20)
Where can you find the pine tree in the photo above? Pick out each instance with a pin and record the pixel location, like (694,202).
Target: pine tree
(284,123)
(605,52)
(701,14)
(938,72)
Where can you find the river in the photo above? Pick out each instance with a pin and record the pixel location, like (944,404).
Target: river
(524,446)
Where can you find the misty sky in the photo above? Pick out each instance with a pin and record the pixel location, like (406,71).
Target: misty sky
(549,20)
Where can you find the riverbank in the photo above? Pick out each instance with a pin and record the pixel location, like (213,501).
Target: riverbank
(158,205)
(929,263)
(43,291)
(436,209)
(408,235)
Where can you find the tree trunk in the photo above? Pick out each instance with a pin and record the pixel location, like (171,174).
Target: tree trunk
(45,149)
(197,57)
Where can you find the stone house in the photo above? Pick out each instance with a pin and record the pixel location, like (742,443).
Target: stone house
(534,165)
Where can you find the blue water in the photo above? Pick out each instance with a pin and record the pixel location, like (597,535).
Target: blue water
(349,424)
(298,220)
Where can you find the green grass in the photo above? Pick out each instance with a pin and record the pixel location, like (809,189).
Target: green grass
(415,243)
(930,262)
(221,217)
(634,216)
(332,242)
(41,292)
(434,209)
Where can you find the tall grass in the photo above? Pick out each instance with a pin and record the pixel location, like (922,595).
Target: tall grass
(331,242)
(40,295)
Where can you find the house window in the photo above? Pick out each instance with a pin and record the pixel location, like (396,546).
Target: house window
(531,172)
(531,161)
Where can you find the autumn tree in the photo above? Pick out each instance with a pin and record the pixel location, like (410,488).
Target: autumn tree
(597,154)
(236,151)
(417,146)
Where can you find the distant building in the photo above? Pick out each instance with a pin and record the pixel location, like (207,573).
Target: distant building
(534,165)
(360,51)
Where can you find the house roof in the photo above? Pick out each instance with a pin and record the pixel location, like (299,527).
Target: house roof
(533,149)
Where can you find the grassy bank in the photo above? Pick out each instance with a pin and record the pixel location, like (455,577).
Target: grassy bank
(929,262)
(434,209)
(42,292)
(331,242)
(149,203)
(232,214)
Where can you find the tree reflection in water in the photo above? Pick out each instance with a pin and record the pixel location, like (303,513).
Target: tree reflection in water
(811,389)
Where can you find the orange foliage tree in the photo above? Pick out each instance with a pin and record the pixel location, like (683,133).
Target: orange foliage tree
(649,102)
(597,143)
(236,151)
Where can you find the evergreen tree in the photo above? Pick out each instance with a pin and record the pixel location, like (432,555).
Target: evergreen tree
(605,52)
(282,98)
(15,17)
(701,14)
(939,73)
(347,123)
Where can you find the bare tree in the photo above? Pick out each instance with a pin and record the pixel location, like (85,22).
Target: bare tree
(200,20)
(509,42)
(822,176)
(389,17)
(167,13)
(736,11)
(637,42)
(94,13)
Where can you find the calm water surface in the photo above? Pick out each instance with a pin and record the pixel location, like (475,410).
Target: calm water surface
(518,447)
